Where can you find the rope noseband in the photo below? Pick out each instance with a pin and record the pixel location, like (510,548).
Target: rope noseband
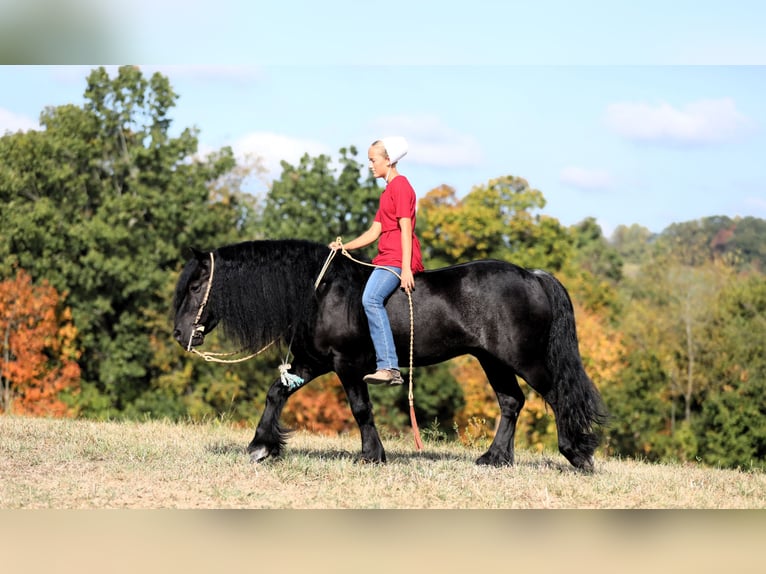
(196,326)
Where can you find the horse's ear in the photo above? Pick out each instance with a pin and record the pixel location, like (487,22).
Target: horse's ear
(196,253)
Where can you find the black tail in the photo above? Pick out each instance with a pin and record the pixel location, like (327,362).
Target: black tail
(578,407)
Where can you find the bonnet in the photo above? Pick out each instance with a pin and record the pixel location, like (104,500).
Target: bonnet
(396,147)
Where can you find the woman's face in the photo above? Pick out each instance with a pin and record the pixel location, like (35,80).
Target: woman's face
(378,162)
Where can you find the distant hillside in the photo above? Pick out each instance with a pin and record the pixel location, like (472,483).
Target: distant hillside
(742,237)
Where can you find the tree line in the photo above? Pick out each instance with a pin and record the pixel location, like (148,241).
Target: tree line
(101,205)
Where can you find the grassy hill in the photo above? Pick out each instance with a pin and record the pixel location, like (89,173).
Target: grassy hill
(74,464)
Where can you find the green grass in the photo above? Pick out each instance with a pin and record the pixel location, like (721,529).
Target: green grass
(66,464)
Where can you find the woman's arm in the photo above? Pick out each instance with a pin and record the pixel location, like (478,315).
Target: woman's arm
(363,240)
(408,280)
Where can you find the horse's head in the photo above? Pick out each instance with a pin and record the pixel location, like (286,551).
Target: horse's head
(193,316)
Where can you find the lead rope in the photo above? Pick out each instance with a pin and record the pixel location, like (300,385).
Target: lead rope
(215,357)
(410,394)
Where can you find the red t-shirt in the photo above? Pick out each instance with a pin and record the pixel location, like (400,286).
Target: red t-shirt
(397,200)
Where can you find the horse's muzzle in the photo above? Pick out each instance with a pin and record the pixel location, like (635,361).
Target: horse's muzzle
(196,338)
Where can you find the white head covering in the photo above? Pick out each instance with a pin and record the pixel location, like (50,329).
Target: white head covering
(396,147)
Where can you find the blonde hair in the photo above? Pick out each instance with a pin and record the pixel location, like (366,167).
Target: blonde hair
(380,144)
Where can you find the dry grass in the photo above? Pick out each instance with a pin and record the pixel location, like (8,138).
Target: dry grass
(64,464)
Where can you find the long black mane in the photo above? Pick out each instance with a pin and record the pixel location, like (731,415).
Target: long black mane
(263,290)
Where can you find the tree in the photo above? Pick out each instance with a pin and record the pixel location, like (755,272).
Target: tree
(593,253)
(667,315)
(693,292)
(639,411)
(102,202)
(37,349)
(632,242)
(732,422)
(492,221)
(309,201)
(593,270)
(746,241)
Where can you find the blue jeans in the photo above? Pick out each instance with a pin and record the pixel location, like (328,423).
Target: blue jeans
(379,287)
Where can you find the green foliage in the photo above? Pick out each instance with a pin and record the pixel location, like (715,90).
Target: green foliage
(738,240)
(639,413)
(308,201)
(594,269)
(437,395)
(732,422)
(702,320)
(632,242)
(593,253)
(101,202)
(744,238)
(492,221)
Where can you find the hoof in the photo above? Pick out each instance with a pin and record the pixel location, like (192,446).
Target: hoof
(488,459)
(370,460)
(259,454)
(583,464)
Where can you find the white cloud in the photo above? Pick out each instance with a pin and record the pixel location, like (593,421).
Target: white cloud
(587,179)
(701,122)
(273,148)
(431,142)
(11,122)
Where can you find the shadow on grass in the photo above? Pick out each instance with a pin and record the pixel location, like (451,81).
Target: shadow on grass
(232,448)
(541,463)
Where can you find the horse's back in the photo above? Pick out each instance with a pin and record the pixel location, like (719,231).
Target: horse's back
(485,304)
(489,282)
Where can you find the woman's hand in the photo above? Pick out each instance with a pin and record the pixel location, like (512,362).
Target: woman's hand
(408,280)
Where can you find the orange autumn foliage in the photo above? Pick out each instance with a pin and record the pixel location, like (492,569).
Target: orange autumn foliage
(37,349)
(601,346)
(320,407)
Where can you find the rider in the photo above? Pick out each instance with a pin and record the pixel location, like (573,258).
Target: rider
(398,250)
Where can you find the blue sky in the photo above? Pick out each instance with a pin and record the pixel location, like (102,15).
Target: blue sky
(648,115)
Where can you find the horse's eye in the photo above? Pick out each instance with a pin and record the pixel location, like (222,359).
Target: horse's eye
(195,287)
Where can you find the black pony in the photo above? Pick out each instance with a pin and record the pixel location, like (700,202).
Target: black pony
(514,321)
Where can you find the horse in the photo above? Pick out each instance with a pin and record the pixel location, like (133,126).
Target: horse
(514,321)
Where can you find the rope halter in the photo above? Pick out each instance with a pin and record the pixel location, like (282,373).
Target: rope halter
(196,326)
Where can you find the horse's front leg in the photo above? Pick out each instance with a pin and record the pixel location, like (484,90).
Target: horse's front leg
(270,437)
(361,407)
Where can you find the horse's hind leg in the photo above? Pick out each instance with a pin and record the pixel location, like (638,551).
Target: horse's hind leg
(576,446)
(511,400)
